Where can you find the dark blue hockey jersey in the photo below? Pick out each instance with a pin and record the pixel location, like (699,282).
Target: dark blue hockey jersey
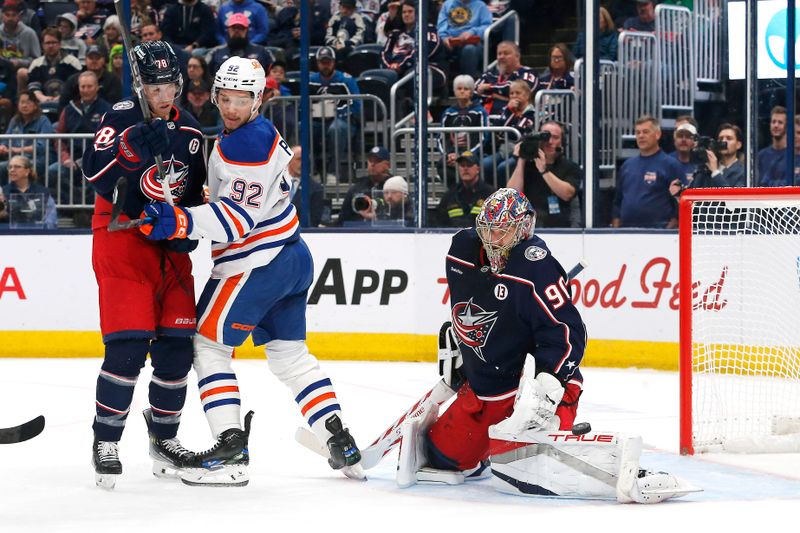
(499,318)
(184,164)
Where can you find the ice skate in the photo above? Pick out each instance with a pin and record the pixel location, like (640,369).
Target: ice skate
(344,452)
(225,464)
(168,455)
(105,460)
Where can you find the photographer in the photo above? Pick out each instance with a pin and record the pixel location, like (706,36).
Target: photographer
(548,179)
(720,165)
(393,208)
(377,173)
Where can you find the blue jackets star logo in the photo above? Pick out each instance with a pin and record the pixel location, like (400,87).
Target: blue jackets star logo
(473,325)
(174,172)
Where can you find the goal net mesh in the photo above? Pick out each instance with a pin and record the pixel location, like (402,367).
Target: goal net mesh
(745,325)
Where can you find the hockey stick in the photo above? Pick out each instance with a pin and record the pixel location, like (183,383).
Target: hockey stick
(386,442)
(120,190)
(138,88)
(23,432)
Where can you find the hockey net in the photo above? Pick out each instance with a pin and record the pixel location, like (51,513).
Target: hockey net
(740,322)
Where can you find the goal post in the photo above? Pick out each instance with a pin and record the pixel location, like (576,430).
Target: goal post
(740,320)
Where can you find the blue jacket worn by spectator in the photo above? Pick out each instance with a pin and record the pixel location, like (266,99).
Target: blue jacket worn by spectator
(642,198)
(607,44)
(523,122)
(501,84)
(220,54)
(255,12)
(473,116)
(338,83)
(50,215)
(78,117)
(288,19)
(49,77)
(772,168)
(688,168)
(347,31)
(398,52)
(190,22)
(459,16)
(547,83)
(40,125)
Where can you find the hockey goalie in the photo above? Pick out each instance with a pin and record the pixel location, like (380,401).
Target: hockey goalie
(516,411)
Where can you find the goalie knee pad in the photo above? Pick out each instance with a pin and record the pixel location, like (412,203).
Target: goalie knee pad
(219,389)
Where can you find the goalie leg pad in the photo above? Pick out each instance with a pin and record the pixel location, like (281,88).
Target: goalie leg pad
(412,456)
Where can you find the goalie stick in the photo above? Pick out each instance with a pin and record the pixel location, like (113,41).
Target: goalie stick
(23,432)
(439,394)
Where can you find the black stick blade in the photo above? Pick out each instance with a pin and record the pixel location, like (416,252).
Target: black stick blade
(23,432)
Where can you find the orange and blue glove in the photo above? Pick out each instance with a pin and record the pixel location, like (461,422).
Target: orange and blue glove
(166,222)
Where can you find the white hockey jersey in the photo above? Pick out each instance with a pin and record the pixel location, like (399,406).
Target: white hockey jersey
(250,216)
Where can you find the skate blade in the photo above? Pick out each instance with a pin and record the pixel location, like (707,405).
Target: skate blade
(106,481)
(355,472)
(226,476)
(164,470)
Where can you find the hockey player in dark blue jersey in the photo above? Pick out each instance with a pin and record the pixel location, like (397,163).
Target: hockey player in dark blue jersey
(520,341)
(147,302)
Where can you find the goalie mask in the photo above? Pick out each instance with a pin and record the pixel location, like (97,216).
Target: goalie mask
(158,64)
(241,74)
(506,218)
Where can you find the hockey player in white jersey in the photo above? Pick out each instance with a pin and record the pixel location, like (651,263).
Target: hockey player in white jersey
(259,282)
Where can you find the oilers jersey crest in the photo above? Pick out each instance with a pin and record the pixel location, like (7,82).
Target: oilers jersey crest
(499,318)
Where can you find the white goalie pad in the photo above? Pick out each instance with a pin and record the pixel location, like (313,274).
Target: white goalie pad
(598,465)
(535,405)
(412,453)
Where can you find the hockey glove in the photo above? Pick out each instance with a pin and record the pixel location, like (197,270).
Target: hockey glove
(168,222)
(181,246)
(142,142)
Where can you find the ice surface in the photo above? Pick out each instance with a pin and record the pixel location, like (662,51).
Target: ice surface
(47,484)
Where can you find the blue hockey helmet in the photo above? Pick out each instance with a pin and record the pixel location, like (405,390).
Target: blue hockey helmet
(505,219)
(158,64)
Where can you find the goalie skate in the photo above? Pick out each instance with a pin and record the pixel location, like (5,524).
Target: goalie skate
(225,464)
(168,455)
(105,460)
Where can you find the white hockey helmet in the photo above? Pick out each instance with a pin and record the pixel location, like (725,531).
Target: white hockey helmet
(241,74)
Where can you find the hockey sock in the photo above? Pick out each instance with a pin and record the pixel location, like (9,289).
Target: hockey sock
(171,358)
(291,362)
(219,390)
(123,361)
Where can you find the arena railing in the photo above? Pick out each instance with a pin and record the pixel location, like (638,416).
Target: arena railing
(675,53)
(609,142)
(708,40)
(337,161)
(496,147)
(639,78)
(561,106)
(396,92)
(495,25)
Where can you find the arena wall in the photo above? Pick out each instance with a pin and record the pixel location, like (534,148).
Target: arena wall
(376,296)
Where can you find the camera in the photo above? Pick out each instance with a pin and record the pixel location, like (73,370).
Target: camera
(363,202)
(529,147)
(707,143)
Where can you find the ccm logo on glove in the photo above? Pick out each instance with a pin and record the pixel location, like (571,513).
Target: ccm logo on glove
(168,222)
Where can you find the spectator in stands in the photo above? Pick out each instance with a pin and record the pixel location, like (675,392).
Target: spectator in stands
(494,84)
(90,20)
(607,42)
(81,115)
(28,120)
(151,32)
(336,119)
(463,200)
(115,60)
(278,73)
(772,159)
(190,24)
(196,70)
(461,25)
(67,24)
(645,19)
(29,17)
(557,75)
(394,207)
(48,73)
(550,181)
(317,194)
(398,52)
(259,23)
(685,140)
(112,33)
(142,12)
(378,163)
(198,96)
(20,44)
(725,168)
(110,85)
(23,180)
(8,91)
(498,9)
(287,27)
(238,44)
(388,21)
(346,29)
(519,114)
(642,197)
(467,113)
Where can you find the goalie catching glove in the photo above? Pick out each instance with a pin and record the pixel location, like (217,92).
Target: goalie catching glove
(166,221)
(536,402)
